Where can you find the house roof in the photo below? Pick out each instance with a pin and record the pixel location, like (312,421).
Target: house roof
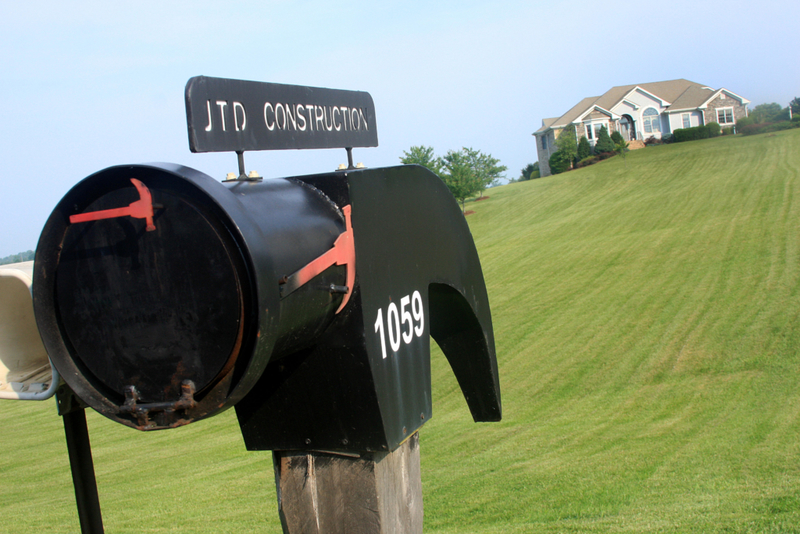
(565,119)
(692,98)
(676,95)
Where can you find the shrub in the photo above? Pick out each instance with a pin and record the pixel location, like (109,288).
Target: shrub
(560,161)
(584,148)
(604,143)
(652,140)
(591,160)
(745,121)
(691,134)
(727,131)
(714,129)
(752,129)
(616,137)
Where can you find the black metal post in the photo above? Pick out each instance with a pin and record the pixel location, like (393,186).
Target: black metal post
(80,462)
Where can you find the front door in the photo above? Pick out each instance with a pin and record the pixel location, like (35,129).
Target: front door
(626,128)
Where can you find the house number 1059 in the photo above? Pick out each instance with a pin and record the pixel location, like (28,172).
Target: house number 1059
(411,313)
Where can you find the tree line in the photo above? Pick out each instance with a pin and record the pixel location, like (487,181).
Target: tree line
(17,258)
(465,172)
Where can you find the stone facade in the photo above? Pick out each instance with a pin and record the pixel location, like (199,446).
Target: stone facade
(710,113)
(545,153)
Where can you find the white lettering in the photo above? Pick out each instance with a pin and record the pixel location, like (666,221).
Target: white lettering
(416,309)
(208,108)
(279,107)
(405,317)
(319,117)
(290,117)
(310,108)
(238,105)
(300,117)
(222,104)
(379,329)
(267,106)
(393,325)
(363,119)
(396,321)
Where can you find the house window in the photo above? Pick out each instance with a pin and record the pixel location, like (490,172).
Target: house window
(544,142)
(650,119)
(687,120)
(725,115)
(593,130)
(597,128)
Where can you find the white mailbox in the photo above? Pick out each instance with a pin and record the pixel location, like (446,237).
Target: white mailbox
(25,370)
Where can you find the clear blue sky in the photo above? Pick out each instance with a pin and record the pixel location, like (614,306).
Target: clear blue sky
(87,87)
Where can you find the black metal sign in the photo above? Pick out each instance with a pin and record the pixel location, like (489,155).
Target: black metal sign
(237,115)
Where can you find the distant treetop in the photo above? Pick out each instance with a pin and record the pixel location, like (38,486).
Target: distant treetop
(17,258)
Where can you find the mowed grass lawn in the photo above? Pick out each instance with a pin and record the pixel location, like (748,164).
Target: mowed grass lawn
(647,321)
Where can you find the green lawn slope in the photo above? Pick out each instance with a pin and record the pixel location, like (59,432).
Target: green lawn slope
(647,321)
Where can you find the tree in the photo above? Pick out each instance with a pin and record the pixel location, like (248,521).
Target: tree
(469,172)
(17,258)
(584,148)
(604,143)
(530,172)
(621,148)
(459,177)
(795,105)
(487,169)
(422,155)
(560,161)
(766,112)
(567,141)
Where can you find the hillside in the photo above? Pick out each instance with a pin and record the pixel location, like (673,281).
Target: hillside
(647,314)
(647,321)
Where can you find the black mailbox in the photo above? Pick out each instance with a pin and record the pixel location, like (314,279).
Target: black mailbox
(164,297)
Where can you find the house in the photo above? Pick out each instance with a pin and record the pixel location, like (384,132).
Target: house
(642,111)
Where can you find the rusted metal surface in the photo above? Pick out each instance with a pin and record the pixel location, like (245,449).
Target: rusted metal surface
(142,411)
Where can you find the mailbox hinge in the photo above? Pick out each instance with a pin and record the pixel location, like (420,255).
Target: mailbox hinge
(142,411)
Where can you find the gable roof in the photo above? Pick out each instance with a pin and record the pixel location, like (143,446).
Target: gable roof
(692,98)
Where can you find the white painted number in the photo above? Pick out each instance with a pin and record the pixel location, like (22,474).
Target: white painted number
(393,320)
(407,336)
(396,322)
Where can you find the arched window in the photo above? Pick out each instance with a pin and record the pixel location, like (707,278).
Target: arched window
(650,119)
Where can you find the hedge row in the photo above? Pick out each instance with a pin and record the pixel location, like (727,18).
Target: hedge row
(711,129)
(752,129)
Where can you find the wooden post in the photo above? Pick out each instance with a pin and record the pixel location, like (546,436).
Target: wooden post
(374,493)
